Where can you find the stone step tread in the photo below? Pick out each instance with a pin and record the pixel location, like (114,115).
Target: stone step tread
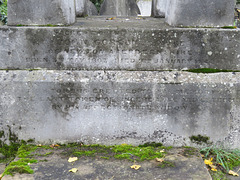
(57,167)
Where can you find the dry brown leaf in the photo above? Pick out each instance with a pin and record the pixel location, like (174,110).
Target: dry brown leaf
(112,18)
(159,159)
(54,145)
(74,170)
(136,167)
(233,173)
(72,159)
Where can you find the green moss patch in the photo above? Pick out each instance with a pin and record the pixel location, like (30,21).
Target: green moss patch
(166,164)
(209,70)
(21,166)
(199,139)
(129,152)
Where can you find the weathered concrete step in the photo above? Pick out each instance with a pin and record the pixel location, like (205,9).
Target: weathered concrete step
(56,166)
(118,44)
(113,107)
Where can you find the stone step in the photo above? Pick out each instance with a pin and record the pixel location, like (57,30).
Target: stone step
(119,44)
(179,165)
(114,107)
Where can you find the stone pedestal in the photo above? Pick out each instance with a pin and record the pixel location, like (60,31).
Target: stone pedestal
(159,8)
(32,12)
(204,13)
(120,8)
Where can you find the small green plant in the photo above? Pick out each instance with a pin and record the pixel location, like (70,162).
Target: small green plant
(97,3)
(226,158)
(3,11)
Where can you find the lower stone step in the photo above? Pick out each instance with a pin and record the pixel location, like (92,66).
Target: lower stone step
(112,107)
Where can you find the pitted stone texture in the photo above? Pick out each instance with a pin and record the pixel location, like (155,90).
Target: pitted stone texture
(43,12)
(114,48)
(115,107)
(205,13)
(85,8)
(159,8)
(120,8)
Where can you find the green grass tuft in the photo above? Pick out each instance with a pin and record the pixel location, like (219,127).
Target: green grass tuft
(227,158)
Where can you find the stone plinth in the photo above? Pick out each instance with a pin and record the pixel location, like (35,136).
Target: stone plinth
(43,12)
(159,8)
(119,8)
(114,107)
(205,13)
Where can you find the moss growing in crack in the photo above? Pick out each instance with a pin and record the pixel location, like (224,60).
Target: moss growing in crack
(209,70)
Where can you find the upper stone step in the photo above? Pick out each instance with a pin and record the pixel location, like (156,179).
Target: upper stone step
(119,44)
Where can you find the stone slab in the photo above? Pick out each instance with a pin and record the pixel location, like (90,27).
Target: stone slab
(56,166)
(119,44)
(43,12)
(115,107)
(119,8)
(204,13)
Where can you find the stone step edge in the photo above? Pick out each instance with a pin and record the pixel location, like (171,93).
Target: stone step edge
(118,76)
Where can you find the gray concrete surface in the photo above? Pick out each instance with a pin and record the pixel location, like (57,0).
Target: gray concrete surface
(204,13)
(32,12)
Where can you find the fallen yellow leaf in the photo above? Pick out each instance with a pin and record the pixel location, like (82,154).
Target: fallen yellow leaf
(162,151)
(208,162)
(74,170)
(136,167)
(124,144)
(213,169)
(233,173)
(72,159)
(159,159)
